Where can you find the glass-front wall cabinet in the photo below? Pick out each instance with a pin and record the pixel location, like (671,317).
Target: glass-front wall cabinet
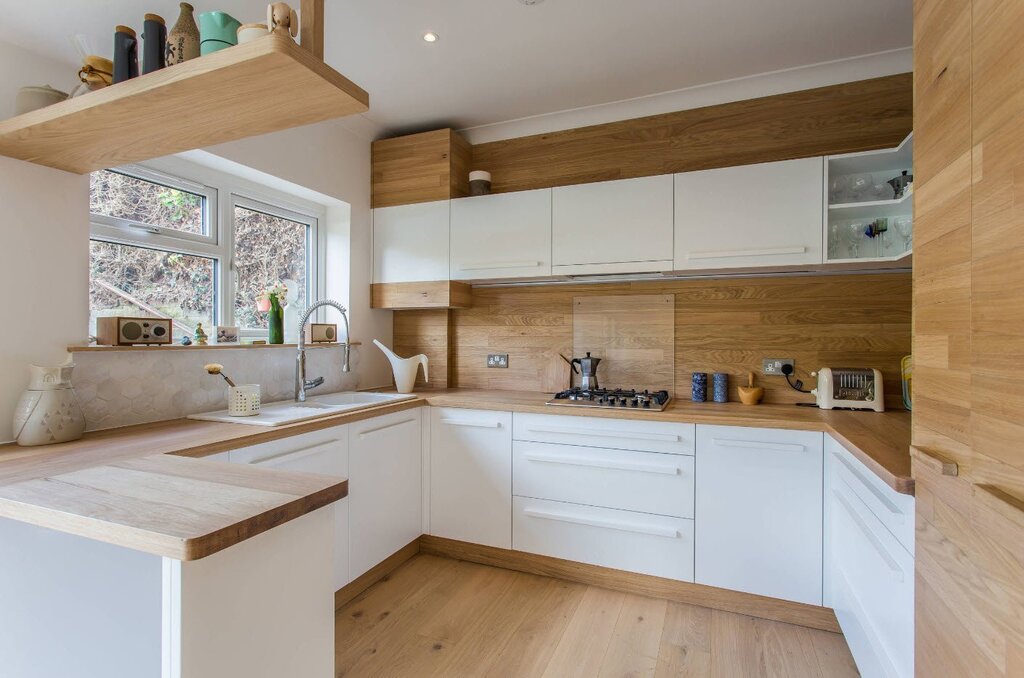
(869,202)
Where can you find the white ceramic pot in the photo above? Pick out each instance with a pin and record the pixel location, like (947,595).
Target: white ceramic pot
(404,368)
(249,32)
(48,411)
(34,98)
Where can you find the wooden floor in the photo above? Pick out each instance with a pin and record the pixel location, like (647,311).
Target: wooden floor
(440,617)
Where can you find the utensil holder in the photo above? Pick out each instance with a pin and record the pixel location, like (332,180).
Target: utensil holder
(244,400)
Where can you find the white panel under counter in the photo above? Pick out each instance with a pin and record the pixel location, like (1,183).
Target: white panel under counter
(623,434)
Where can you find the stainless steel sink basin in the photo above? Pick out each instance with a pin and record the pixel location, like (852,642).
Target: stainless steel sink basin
(315,407)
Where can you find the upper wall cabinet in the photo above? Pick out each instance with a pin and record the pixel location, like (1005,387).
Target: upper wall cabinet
(410,242)
(420,168)
(507,235)
(613,226)
(753,215)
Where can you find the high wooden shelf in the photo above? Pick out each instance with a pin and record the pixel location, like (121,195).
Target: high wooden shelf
(263,86)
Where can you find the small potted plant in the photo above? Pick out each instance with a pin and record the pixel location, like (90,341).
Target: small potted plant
(271,301)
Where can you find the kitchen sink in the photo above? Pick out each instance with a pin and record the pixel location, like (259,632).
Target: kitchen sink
(315,407)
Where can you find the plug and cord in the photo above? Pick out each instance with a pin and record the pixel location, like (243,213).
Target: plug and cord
(798,385)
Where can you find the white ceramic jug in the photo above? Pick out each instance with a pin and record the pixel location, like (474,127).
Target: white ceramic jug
(48,411)
(404,368)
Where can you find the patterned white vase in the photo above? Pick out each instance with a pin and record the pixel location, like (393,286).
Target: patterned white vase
(48,411)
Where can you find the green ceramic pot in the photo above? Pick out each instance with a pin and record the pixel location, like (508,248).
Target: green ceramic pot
(275,322)
(217,30)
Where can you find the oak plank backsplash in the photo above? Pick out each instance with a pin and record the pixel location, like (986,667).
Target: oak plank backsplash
(720,325)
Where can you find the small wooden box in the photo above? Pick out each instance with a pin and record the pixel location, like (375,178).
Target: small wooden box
(119,331)
(321,333)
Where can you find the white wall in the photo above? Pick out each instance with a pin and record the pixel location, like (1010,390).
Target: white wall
(44,229)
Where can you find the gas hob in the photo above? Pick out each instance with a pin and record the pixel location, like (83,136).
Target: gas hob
(613,399)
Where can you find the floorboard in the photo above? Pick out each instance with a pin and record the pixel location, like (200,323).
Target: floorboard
(435,616)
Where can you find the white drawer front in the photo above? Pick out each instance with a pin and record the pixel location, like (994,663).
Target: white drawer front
(620,434)
(265,451)
(635,542)
(873,580)
(622,479)
(893,509)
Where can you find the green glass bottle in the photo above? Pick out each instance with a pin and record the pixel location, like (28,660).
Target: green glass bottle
(275,321)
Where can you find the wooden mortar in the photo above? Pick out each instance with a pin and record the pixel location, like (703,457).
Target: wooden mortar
(750,394)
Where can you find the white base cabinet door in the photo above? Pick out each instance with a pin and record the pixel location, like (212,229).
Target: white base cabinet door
(471,476)
(505,235)
(410,242)
(759,511)
(322,452)
(383,487)
(620,226)
(624,540)
(768,214)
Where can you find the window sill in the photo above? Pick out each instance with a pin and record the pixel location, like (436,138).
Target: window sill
(193,347)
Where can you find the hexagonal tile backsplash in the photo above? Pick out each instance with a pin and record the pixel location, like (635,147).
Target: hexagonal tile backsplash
(120,388)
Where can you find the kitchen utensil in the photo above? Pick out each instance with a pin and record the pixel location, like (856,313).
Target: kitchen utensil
(588,371)
(249,32)
(48,411)
(404,368)
(154,43)
(126,54)
(217,30)
(217,368)
(33,98)
(899,184)
(856,388)
(750,394)
(720,384)
(244,400)
(699,387)
(183,38)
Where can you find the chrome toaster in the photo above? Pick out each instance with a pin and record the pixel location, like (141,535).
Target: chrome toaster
(857,388)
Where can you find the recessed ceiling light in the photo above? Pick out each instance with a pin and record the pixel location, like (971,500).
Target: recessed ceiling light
(531,2)
(430,37)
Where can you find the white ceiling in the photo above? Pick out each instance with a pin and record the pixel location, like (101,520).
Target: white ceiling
(500,60)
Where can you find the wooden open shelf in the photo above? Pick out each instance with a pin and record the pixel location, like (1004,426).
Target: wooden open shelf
(92,348)
(263,86)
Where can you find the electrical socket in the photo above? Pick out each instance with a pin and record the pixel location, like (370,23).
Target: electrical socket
(772,367)
(497,360)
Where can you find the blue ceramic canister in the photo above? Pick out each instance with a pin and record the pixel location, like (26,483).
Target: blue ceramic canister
(217,30)
(699,387)
(720,386)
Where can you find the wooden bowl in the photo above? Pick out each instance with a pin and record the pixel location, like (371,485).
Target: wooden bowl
(751,395)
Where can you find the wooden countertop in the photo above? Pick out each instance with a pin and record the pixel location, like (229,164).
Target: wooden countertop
(121,486)
(880,440)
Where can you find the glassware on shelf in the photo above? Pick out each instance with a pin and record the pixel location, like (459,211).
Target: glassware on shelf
(904,225)
(833,241)
(860,187)
(840,189)
(855,231)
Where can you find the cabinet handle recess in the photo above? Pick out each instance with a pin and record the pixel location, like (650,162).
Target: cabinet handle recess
(663,469)
(654,530)
(662,437)
(754,445)
(884,500)
(474,424)
(883,553)
(292,453)
(488,265)
(385,427)
(768,252)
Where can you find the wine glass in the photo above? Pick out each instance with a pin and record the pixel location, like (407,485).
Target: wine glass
(856,234)
(905,227)
(833,241)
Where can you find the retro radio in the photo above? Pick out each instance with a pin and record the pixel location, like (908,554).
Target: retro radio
(321,333)
(118,331)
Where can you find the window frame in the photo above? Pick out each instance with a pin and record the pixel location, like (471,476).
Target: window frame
(222,192)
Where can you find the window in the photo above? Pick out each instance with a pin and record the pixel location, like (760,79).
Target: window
(164,246)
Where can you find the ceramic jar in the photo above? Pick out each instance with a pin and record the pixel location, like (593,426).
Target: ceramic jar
(154,43)
(479,182)
(126,54)
(217,30)
(720,386)
(48,411)
(249,32)
(699,387)
(183,38)
(34,98)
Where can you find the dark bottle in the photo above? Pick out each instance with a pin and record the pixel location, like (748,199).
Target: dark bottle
(126,54)
(154,43)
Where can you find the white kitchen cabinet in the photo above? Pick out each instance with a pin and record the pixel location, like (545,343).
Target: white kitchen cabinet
(384,487)
(410,242)
(323,452)
(870,570)
(620,434)
(505,235)
(622,226)
(759,511)
(768,214)
(471,476)
(624,540)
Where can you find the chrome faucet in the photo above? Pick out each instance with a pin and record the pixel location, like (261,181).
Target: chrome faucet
(301,383)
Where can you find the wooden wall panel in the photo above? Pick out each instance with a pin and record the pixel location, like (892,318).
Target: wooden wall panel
(425,332)
(842,118)
(969,335)
(720,325)
(420,168)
